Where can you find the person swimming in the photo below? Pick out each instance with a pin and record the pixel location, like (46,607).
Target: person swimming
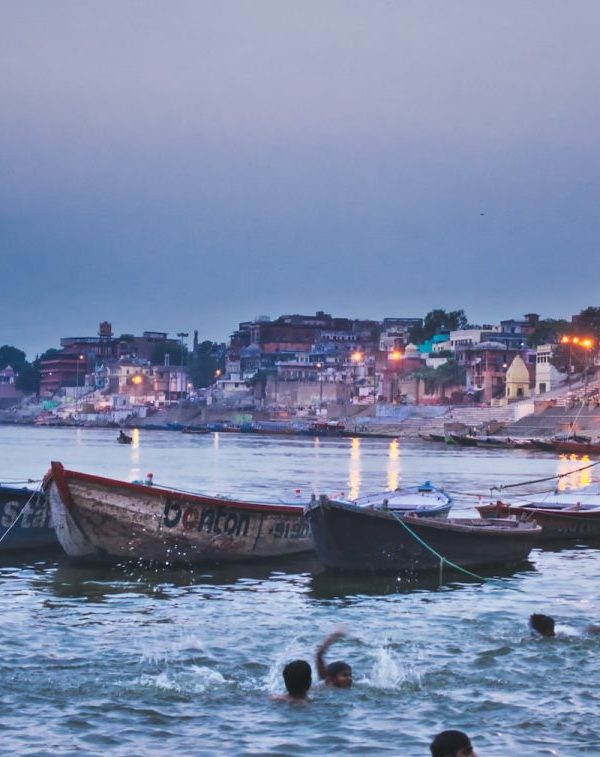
(339,673)
(452,744)
(542,624)
(297,676)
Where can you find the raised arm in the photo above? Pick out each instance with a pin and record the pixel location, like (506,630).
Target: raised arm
(321,665)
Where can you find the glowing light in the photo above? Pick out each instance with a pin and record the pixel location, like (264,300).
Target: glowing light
(395,355)
(137,379)
(357,356)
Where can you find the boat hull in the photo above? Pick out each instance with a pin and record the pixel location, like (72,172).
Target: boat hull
(562,525)
(349,538)
(101,519)
(32,530)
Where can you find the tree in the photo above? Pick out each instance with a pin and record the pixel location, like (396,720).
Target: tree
(27,375)
(548,331)
(587,323)
(205,362)
(12,356)
(437,321)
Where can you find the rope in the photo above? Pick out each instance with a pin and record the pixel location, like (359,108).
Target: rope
(20,513)
(13,481)
(441,558)
(541,480)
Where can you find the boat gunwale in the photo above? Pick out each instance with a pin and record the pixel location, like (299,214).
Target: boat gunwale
(491,526)
(62,475)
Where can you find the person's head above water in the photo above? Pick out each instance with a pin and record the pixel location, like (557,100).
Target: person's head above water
(297,676)
(542,624)
(339,674)
(452,744)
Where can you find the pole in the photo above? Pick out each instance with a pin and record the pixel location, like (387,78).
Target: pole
(181,335)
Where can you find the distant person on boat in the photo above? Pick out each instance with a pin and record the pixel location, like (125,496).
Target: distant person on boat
(338,673)
(452,744)
(123,436)
(297,676)
(542,624)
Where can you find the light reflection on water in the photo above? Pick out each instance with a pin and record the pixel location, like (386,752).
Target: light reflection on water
(132,660)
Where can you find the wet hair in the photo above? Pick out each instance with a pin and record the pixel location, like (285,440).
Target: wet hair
(335,668)
(448,743)
(297,676)
(543,624)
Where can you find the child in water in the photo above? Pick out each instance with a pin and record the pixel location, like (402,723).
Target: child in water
(338,673)
(297,676)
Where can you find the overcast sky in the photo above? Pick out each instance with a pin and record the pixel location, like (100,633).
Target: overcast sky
(172,166)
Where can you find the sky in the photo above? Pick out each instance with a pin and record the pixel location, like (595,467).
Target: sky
(173,166)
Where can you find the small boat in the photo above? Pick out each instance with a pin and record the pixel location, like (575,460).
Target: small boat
(495,442)
(425,500)
(103,519)
(24,519)
(567,515)
(352,538)
(572,447)
(195,430)
(463,440)
(124,438)
(431,437)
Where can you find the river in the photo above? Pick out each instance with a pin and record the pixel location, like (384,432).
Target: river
(132,661)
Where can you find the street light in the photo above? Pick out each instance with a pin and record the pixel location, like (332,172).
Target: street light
(586,343)
(79,358)
(395,356)
(356,357)
(320,369)
(182,335)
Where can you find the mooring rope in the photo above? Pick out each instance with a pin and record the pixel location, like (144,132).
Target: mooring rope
(547,478)
(443,560)
(20,513)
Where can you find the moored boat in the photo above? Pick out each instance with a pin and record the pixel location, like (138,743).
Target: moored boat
(567,515)
(425,500)
(352,538)
(104,519)
(24,519)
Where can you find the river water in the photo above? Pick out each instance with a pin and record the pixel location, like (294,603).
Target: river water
(132,661)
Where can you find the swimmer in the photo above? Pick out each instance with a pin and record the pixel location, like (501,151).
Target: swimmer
(542,624)
(338,674)
(452,744)
(297,676)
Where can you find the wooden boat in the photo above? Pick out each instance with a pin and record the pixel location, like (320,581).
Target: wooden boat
(568,515)
(431,437)
(463,440)
(100,519)
(24,519)
(354,538)
(571,447)
(425,500)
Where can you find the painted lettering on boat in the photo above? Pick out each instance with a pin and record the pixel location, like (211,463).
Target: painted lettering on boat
(298,530)
(35,515)
(211,520)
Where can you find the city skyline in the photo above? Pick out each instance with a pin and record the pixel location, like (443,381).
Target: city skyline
(190,168)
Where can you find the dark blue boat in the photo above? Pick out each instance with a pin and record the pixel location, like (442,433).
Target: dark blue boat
(352,538)
(24,519)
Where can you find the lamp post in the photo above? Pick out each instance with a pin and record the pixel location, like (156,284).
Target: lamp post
(356,357)
(395,356)
(320,374)
(79,358)
(586,343)
(182,335)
